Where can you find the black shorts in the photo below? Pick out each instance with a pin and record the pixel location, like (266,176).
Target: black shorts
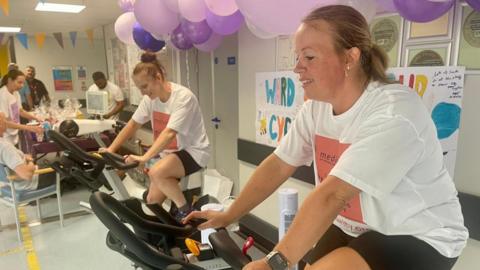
(397,252)
(189,164)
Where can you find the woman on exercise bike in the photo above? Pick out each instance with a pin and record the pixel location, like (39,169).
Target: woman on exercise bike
(179,133)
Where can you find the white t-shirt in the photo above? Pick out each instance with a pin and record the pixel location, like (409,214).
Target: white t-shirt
(11,157)
(181,113)
(385,145)
(10,105)
(115,95)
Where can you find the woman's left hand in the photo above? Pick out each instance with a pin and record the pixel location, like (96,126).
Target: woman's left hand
(258,265)
(133,158)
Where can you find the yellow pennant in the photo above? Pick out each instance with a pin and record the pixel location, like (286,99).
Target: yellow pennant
(40,39)
(90,35)
(5,6)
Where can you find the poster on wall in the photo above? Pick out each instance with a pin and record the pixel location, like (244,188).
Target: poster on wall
(120,65)
(133,58)
(441,89)
(82,78)
(279,96)
(62,78)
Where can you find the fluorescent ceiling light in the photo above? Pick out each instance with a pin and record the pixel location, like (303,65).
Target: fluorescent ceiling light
(4,29)
(59,7)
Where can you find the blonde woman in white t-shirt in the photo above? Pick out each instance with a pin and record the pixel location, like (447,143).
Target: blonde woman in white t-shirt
(11,106)
(179,133)
(383,197)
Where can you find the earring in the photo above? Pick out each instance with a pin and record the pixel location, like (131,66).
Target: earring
(347,70)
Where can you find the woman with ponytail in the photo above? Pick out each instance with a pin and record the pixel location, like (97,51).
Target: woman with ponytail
(383,197)
(11,106)
(179,133)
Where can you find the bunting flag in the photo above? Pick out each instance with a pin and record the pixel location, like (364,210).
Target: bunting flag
(5,7)
(73,37)
(40,39)
(23,38)
(59,37)
(90,35)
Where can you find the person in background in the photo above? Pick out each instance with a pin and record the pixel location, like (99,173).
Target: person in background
(38,90)
(26,97)
(12,66)
(179,133)
(116,100)
(383,197)
(21,164)
(10,105)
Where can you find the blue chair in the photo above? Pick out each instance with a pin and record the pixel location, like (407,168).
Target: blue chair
(14,198)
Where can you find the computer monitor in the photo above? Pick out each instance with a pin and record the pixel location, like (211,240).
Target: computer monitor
(97,102)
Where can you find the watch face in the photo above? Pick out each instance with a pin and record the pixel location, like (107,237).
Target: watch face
(277,262)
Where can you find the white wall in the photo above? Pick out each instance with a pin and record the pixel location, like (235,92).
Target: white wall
(257,55)
(43,59)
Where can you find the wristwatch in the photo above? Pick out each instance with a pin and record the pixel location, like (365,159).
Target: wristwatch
(277,261)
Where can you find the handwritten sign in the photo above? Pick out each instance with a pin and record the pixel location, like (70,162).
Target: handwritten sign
(279,96)
(441,89)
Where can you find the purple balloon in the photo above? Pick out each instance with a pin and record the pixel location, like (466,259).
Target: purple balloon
(180,40)
(126,5)
(211,44)
(145,40)
(225,25)
(155,17)
(422,10)
(197,32)
(475,4)
(276,16)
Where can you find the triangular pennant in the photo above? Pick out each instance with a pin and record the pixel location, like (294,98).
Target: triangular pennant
(40,39)
(59,37)
(23,38)
(73,37)
(90,35)
(5,7)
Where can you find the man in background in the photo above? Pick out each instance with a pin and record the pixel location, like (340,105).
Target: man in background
(116,100)
(37,88)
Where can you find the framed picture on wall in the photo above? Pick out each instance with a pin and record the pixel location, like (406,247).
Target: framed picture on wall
(427,55)
(437,30)
(468,39)
(386,32)
(62,78)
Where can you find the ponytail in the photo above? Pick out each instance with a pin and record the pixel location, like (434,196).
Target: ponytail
(12,75)
(151,65)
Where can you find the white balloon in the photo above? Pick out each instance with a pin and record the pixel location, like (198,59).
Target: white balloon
(124,27)
(172,5)
(258,32)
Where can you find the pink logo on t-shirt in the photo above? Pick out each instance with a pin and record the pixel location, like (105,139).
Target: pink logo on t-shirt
(160,121)
(15,112)
(327,153)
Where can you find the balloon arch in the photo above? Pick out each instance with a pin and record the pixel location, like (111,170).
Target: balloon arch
(204,23)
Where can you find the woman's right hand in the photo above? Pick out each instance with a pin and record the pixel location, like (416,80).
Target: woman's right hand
(104,150)
(36,129)
(215,219)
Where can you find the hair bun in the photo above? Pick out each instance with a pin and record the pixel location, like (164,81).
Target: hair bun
(148,57)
